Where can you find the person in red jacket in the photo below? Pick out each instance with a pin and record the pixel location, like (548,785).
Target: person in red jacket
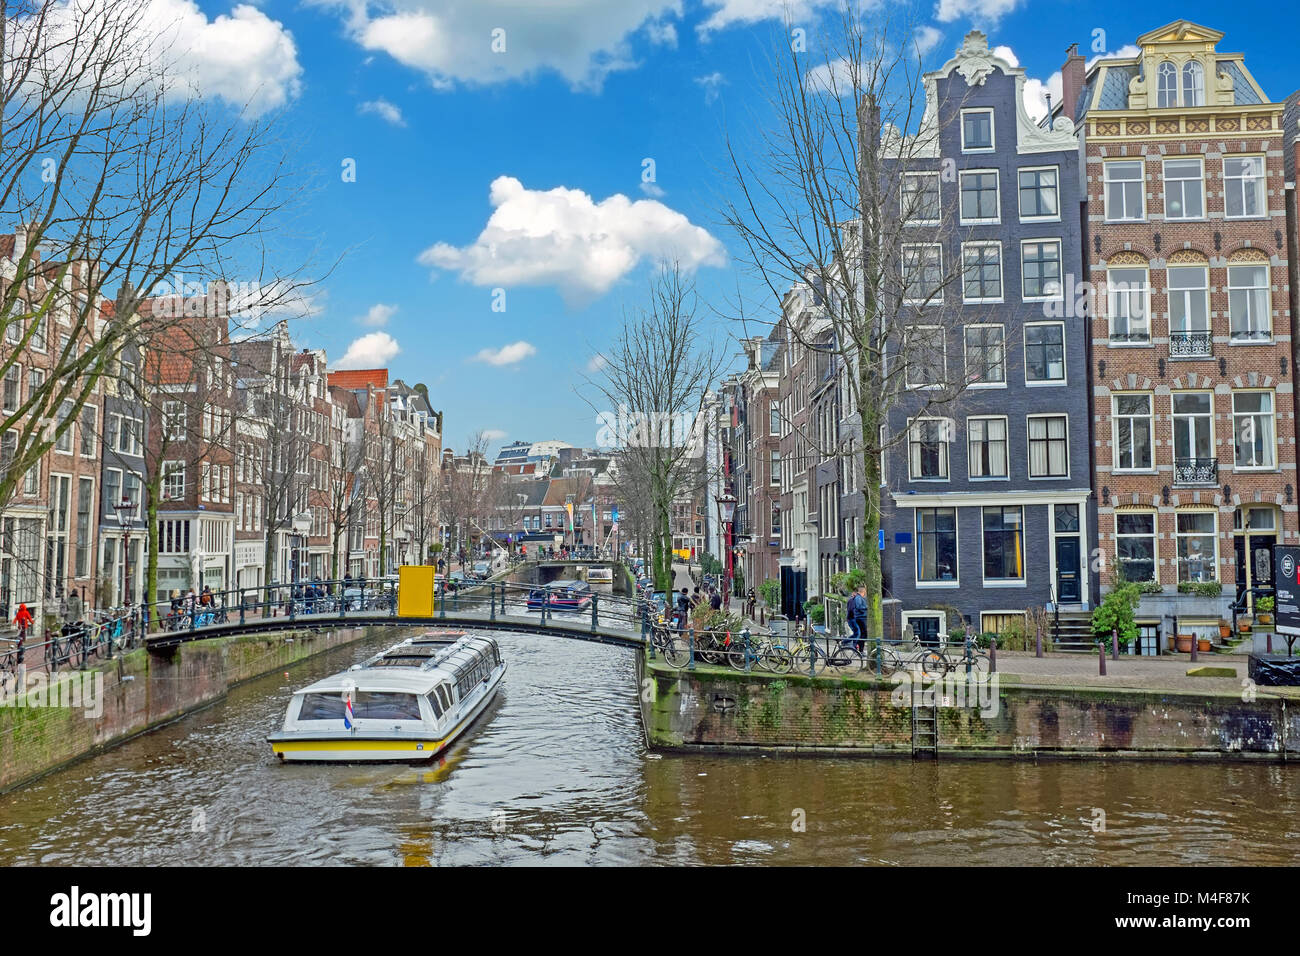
(23,618)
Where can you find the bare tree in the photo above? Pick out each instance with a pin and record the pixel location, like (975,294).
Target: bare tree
(343,495)
(653,383)
(830,205)
(122,186)
(470,490)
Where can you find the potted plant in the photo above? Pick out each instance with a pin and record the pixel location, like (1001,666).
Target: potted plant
(1225,629)
(1264,609)
(1202,644)
(1183,644)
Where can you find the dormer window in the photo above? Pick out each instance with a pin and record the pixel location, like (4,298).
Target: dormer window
(1167,85)
(1193,84)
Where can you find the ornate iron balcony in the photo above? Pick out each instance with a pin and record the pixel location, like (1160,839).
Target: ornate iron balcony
(1190,344)
(1196,471)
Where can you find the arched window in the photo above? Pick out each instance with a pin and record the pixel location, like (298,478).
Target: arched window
(1167,84)
(1193,84)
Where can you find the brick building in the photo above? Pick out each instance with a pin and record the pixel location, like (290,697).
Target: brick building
(1191,335)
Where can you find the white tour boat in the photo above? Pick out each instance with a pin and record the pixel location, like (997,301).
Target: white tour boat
(600,575)
(407,704)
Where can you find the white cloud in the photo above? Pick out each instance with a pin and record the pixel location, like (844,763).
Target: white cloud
(508,354)
(1036,91)
(493,434)
(653,190)
(564,238)
(378,314)
(981,11)
(243,57)
(385,110)
(596,363)
(712,85)
(370,351)
(453,41)
(927,38)
(1123,53)
(1006,53)
(732,12)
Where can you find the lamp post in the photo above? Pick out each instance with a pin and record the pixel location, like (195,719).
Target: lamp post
(726,512)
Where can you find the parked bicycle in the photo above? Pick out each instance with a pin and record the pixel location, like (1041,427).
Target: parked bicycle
(827,654)
(673,646)
(933,662)
(745,649)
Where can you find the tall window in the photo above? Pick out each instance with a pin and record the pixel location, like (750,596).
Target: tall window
(64,441)
(1004,552)
(1132,432)
(1045,352)
(1197,540)
(923,273)
(985,355)
(1252,425)
(1039,198)
(1243,186)
(981,271)
(1193,414)
(928,448)
(1135,545)
(174,420)
(775,476)
(35,379)
(1166,85)
(1128,302)
(13,388)
(925,352)
(774,420)
(1248,301)
(1189,310)
(1124,190)
(89,416)
(85,507)
(173,482)
(979,196)
(920,198)
(1040,269)
(1184,189)
(1193,84)
(977,130)
(1049,455)
(936,544)
(987,447)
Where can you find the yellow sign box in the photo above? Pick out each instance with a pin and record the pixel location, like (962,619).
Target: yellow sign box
(416,590)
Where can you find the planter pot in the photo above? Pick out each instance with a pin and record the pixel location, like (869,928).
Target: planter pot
(1264,618)
(1225,630)
(1202,645)
(1243,626)
(1183,644)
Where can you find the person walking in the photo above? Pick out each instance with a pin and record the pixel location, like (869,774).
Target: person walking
(683,609)
(857,616)
(715,599)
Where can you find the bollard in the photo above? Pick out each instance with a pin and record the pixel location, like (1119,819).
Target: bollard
(1114,643)
(1101,658)
(1195,641)
(492,599)
(1038,642)
(967,654)
(110,640)
(993,656)
(1268,643)
(241,606)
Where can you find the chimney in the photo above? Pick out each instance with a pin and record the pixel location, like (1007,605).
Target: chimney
(20,240)
(1072,76)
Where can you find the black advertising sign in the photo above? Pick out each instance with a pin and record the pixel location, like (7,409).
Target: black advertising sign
(1286,581)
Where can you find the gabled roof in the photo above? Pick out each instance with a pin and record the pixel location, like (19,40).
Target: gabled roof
(1178,31)
(359,378)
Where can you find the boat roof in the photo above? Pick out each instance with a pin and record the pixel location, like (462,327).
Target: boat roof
(415,666)
(567,584)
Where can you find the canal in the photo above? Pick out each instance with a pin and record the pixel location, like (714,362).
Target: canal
(558,772)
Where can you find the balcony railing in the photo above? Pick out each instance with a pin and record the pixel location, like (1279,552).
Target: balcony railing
(1196,471)
(1190,344)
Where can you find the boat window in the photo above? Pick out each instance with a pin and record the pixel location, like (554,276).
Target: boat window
(434,703)
(321,707)
(386,706)
(445,694)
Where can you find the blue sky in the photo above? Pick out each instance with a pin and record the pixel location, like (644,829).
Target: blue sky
(583,93)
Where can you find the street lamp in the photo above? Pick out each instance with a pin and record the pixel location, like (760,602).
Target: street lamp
(726,512)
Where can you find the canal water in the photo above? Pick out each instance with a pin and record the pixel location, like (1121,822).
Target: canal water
(558,772)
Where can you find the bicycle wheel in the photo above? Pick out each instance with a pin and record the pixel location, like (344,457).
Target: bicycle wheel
(737,655)
(889,659)
(675,650)
(777,658)
(931,664)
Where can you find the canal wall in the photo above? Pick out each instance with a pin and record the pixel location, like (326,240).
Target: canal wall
(142,691)
(718,710)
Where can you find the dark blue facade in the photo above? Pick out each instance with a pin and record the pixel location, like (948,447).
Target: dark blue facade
(986,505)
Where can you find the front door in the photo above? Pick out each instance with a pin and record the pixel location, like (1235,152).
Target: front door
(1068,585)
(1259,572)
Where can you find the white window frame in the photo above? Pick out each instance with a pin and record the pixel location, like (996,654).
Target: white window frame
(1111,311)
(1029,448)
(945,428)
(902,198)
(1186,293)
(1198,91)
(943,352)
(993,130)
(965,345)
(170,470)
(1174,417)
(1110,164)
(1273,466)
(1200,180)
(997,191)
(1233,339)
(916,571)
(1262,181)
(1154,538)
(1002,287)
(1060,265)
(1006,448)
(1004,582)
(1180,535)
(1065,362)
(1115,416)
(1056,170)
(937,298)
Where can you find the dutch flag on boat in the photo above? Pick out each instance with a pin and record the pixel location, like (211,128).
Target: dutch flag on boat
(347,713)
